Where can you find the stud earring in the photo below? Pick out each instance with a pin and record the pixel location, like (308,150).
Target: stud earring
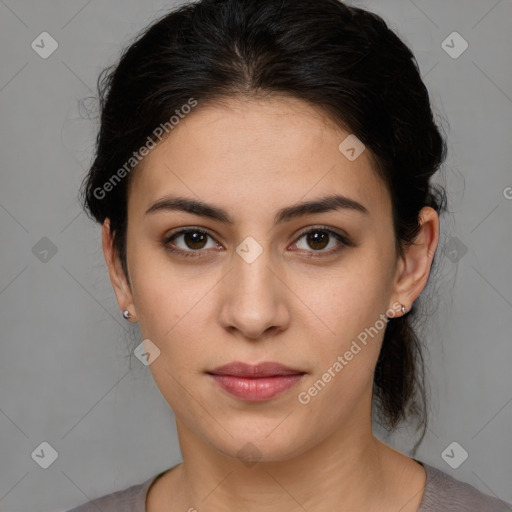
(403,309)
(126,314)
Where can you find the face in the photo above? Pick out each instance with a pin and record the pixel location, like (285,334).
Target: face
(263,279)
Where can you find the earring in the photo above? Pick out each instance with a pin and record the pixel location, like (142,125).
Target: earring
(126,314)
(403,309)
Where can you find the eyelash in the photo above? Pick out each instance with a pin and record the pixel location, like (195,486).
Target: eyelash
(344,242)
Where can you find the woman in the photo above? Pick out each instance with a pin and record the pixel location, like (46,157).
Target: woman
(262,175)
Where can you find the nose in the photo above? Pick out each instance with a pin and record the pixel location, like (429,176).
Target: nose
(254,298)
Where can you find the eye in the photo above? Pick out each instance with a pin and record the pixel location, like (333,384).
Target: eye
(320,238)
(194,239)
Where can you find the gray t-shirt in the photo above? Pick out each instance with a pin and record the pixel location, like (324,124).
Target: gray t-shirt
(443,493)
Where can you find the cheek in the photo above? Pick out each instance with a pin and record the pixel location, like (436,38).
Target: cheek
(176,334)
(348,310)
(348,300)
(161,294)
(333,398)
(345,361)
(172,309)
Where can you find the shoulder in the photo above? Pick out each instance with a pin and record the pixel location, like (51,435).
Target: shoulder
(443,492)
(131,499)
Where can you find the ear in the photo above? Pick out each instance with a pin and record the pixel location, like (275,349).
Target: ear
(414,267)
(115,270)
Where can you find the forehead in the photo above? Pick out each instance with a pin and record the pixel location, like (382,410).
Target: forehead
(254,152)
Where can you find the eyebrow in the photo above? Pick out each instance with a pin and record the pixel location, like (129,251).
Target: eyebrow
(196,207)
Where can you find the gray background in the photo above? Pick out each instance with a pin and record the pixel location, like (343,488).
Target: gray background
(67,376)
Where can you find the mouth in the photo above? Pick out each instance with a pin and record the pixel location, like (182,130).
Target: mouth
(255,383)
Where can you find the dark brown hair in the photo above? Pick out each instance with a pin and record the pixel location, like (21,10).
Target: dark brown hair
(343,60)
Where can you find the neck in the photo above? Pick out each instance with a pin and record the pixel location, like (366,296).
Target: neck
(347,471)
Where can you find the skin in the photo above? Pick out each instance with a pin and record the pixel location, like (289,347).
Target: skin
(253,157)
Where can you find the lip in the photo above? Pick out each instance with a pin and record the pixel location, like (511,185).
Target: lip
(265,369)
(256,383)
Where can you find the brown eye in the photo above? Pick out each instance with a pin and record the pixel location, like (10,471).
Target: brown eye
(318,239)
(195,239)
(192,243)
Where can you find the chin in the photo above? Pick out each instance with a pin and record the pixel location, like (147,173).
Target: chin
(251,444)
